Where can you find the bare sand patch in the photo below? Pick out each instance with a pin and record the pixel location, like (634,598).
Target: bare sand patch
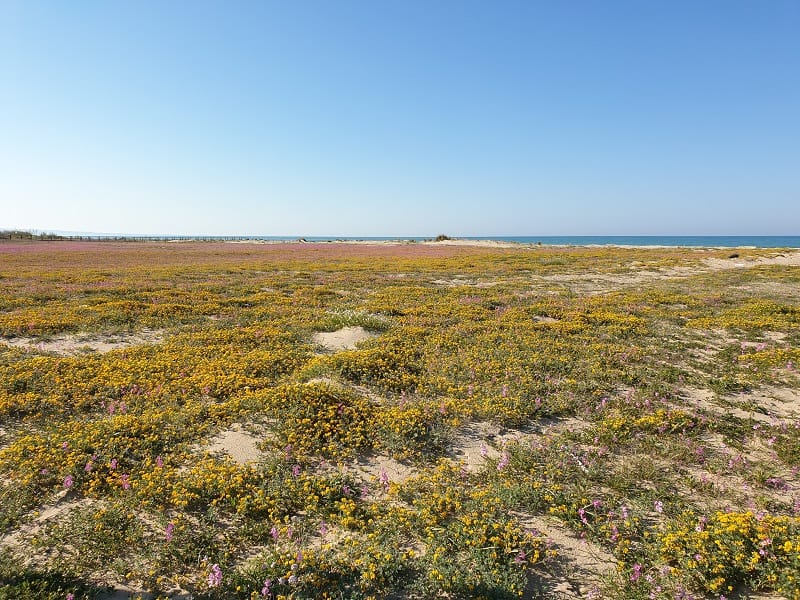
(580,563)
(774,336)
(123,592)
(460,282)
(771,402)
(476,442)
(747,406)
(544,319)
(598,283)
(383,467)
(480,243)
(240,445)
(120,591)
(345,338)
(787,259)
(473,444)
(767,405)
(71,344)
(55,511)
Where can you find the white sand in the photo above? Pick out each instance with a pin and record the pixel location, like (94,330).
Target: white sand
(345,338)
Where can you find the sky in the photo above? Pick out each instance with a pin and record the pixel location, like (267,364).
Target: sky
(401,118)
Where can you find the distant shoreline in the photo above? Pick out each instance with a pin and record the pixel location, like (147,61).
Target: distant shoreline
(743,242)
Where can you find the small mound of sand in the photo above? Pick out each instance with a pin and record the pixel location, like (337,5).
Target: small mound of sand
(474,444)
(373,466)
(240,445)
(67,345)
(345,338)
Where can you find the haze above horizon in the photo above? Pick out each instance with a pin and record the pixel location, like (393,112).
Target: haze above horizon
(397,119)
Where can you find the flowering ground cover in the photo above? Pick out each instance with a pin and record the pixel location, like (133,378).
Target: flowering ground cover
(525,421)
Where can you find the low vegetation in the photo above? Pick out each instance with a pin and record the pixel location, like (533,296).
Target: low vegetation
(512,407)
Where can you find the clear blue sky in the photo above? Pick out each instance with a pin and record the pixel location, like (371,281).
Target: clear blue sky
(401,118)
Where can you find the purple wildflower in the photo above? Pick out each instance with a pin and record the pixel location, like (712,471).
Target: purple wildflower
(503,462)
(215,576)
(384,479)
(265,591)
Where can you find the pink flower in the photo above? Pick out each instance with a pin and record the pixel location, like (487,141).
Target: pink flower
(65,446)
(637,572)
(70,596)
(68,481)
(125,481)
(658,506)
(113,464)
(274,533)
(323,529)
(168,531)
(159,461)
(296,470)
(503,462)
(215,576)
(384,479)
(88,467)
